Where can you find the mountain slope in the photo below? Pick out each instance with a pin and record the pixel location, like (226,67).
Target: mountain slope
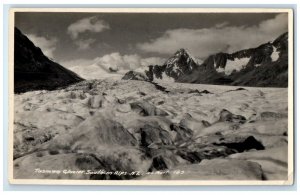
(35,71)
(263,66)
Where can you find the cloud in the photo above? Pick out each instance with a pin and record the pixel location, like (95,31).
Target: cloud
(152,61)
(47,45)
(126,62)
(90,24)
(95,72)
(84,44)
(76,62)
(100,67)
(220,38)
(220,25)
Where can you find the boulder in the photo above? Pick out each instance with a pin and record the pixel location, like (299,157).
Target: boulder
(146,109)
(183,133)
(227,116)
(154,135)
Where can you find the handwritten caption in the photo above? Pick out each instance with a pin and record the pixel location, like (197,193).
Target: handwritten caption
(104,172)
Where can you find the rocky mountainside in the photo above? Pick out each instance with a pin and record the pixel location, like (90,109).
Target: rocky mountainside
(263,66)
(182,63)
(35,71)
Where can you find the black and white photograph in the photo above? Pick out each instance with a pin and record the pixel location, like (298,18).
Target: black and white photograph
(151,96)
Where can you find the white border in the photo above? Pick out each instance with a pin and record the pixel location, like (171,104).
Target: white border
(154,182)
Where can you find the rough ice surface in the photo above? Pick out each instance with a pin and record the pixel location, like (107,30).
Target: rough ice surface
(206,132)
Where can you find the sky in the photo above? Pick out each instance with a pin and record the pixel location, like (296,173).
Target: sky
(91,43)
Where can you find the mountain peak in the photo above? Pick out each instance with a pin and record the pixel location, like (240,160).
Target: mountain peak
(181,56)
(180,63)
(281,42)
(181,51)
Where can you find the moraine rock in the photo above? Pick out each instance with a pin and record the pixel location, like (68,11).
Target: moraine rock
(154,135)
(227,116)
(182,133)
(146,109)
(132,75)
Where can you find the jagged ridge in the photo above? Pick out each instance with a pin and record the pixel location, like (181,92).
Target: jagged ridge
(263,66)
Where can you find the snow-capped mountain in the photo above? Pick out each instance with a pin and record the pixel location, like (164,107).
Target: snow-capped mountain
(265,66)
(181,63)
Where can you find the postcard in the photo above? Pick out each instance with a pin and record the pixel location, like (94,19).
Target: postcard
(151,96)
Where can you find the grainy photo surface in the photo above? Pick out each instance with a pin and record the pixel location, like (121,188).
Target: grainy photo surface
(151,96)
